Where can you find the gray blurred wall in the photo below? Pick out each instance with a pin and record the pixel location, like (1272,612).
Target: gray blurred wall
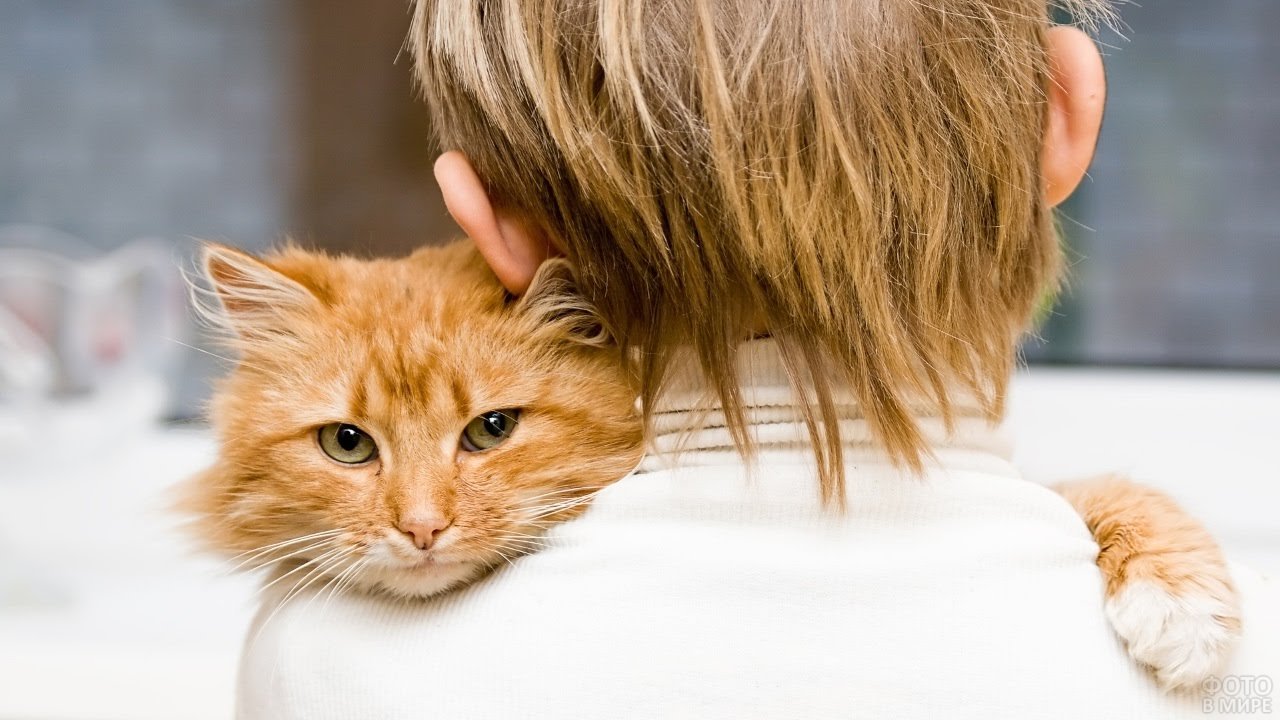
(1182,265)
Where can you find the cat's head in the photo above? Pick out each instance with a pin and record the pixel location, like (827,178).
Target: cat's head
(403,425)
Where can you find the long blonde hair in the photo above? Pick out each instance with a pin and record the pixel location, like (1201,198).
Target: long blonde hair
(860,178)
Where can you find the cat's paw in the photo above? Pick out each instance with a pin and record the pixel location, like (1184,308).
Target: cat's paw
(1183,637)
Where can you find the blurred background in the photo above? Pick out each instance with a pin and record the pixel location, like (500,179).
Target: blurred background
(248,121)
(130,128)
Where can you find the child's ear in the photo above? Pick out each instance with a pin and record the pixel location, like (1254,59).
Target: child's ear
(253,299)
(1077,93)
(554,301)
(513,247)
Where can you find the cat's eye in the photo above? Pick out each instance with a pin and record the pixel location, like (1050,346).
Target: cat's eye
(489,430)
(347,444)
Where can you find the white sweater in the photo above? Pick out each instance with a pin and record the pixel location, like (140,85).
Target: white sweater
(698,588)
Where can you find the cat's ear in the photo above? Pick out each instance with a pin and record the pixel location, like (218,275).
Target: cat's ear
(553,301)
(249,297)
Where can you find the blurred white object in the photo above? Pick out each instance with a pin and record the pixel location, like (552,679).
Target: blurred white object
(26,362)
(86,347)
(85,339)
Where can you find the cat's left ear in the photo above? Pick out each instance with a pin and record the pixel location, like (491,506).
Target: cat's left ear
(253,299)
(553,300)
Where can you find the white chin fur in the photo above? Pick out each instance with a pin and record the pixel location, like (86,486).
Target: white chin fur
(419,582)
(1181,637)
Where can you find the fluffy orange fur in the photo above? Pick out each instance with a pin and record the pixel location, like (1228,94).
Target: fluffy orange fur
(409,351)
(1143,534)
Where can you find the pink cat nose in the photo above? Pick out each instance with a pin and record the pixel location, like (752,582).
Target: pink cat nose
(423,529)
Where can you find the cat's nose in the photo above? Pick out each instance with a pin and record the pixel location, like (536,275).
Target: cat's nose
(423,528)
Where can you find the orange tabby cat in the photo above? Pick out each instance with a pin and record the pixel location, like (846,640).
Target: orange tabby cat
(403,426)
(400,425)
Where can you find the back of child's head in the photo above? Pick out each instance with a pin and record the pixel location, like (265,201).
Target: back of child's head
(860,178)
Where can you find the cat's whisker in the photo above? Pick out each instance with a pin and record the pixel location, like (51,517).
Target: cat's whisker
(520,543)
(523,535)
(322,570)
(319,559)
(553,491)
(229,361)
(328,572)
(536,502)
(559,491)
(189,346)
(555,508)
(575,489)
(592,490)
(321,562)
(268,558)
(351,580)
(539,542)
(540,536)
(496,549)
(553,511)
(345,579)
(540,523)
(307,581)
(517,542)
(263,549)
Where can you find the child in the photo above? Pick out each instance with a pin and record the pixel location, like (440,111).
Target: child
(818,228)
(869,184)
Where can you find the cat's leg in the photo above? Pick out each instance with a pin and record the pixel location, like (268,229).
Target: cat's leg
(1169,593)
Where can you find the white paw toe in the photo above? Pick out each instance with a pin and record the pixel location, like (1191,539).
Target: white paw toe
(1183,638)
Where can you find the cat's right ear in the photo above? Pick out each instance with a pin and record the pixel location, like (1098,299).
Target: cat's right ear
(249,297)
(554,302)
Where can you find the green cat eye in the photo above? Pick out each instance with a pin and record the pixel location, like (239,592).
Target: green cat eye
(347,444)
(489,430)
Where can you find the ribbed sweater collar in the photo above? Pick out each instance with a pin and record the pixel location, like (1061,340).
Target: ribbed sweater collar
(689,429)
